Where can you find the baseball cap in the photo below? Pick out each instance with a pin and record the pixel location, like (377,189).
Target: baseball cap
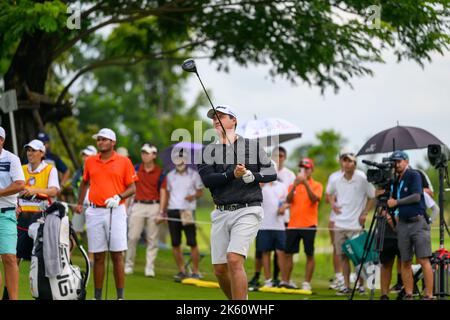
(399,155)
(43,137)
(349,155)
(344,151)
(2,133)
(223,109)
(89,151)
(105,133)
(149,148)
(36,145)
(306,163)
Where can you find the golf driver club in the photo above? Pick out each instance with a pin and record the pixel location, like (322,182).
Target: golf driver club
(189,66)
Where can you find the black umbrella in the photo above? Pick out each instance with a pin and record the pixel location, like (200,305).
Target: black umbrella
(399,138)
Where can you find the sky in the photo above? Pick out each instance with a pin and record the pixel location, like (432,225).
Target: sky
(398,92)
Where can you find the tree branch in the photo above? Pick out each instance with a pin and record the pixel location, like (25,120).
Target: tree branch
(138,14)
(87,32)
(86,13)
(121,61)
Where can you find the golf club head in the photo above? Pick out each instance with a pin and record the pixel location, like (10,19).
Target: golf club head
(189,65)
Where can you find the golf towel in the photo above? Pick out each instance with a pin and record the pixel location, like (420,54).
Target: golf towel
(354,249)
(52,258)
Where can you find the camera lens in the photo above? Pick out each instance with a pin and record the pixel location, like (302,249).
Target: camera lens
(434,150)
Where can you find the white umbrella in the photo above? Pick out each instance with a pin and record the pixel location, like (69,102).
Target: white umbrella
(269,129)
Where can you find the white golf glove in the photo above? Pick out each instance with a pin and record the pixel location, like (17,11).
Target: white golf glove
(248,177)
(113,202)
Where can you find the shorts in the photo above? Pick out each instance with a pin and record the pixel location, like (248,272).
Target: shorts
(293,238)
(175,228)
(269,240)
(414,238)
(390,251)
(340,235)
(233,231)
(8,232)
(97,226)
(24,241)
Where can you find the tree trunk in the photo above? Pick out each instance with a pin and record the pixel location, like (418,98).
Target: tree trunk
(29,68)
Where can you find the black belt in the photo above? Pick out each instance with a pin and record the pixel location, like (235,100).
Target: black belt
(3,210)
(411,219)
(236,206)
(96,206)
(147,201)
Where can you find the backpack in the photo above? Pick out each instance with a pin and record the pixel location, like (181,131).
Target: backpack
(71,282)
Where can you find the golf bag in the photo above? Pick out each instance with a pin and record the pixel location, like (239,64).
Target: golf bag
(71,282)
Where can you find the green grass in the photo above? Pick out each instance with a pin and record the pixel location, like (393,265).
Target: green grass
(163,287)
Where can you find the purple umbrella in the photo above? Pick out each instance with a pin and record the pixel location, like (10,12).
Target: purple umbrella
(399,138)
(186,148)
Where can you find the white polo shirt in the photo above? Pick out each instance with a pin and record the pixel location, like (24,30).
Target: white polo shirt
(351,196)
(286,177)
(273,194)
(431,204)
(182,185)
(10,171)
(336,175)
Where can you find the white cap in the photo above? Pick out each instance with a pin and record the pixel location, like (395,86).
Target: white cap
(122,151)
(223,109)
(105,133)
(2,133)
(36,145)
(89,151)
(149,148)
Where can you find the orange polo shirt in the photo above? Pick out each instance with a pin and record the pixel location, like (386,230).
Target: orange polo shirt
(108,178)
(304,213)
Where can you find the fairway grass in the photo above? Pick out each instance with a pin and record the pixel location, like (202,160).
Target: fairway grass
(163,287)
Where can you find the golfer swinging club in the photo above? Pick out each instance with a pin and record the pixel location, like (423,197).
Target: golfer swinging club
(232,169)
(111,178)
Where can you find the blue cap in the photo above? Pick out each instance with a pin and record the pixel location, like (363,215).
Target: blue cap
(399,155)
(43,137)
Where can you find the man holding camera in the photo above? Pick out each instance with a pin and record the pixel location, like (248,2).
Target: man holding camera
(413,229)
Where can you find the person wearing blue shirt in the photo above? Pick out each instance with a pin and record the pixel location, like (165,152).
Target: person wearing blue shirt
(413,229)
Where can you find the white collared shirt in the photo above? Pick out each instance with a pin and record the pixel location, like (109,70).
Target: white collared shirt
(286,177)
(181,185)
(336,175)
(351,197)
(274,193)
(10,171)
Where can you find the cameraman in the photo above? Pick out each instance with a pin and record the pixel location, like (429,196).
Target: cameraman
(413,230)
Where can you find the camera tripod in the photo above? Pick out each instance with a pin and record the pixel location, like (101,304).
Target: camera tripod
(374,241)
(441,258)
